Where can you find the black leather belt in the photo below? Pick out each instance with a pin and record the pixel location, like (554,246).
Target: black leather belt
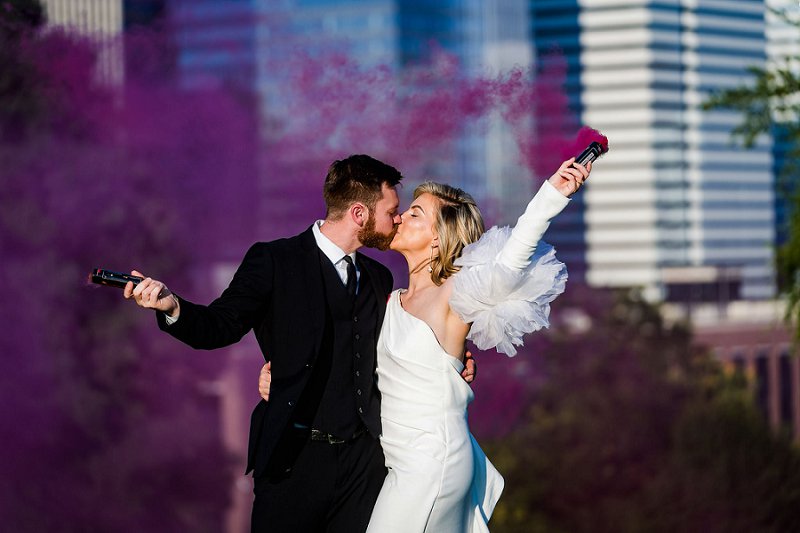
(321,436)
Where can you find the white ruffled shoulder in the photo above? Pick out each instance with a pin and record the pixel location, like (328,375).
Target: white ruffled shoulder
(504,304)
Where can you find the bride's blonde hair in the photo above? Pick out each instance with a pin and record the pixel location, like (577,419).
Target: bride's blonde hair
(458,223)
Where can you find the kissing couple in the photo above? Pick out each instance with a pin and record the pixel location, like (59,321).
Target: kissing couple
(362,424)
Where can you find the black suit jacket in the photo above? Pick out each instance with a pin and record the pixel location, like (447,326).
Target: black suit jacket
(277,292)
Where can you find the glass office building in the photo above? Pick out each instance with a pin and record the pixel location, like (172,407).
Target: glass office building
(675,207)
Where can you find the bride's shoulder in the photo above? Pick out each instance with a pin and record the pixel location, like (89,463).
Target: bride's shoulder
(446,289)
(455,323)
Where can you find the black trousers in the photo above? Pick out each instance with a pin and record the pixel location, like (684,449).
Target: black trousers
(331,488)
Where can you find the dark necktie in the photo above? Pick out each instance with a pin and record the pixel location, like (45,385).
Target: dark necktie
(352,280)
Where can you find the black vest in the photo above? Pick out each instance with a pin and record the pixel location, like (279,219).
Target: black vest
(341,392)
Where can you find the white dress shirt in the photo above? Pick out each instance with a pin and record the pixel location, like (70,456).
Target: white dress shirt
(334,253)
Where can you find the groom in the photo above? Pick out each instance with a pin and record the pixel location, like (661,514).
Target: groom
(316,307)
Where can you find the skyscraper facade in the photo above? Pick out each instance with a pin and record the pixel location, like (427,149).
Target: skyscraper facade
(215,41)
(99,20)
(87,17)
(675,207)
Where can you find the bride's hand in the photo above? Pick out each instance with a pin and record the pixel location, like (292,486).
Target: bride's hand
(264,381)
(570,177)
(470,368)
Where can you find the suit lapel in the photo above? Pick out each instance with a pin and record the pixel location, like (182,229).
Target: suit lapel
(312,291)
(380,295)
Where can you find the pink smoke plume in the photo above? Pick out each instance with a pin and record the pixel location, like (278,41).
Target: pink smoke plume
(592,144)
(176,182)
(587,135)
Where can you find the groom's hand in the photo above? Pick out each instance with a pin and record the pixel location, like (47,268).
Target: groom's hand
(470,368)
(152,294)
(264,381)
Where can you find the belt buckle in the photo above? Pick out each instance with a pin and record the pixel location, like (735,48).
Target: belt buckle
(325,437)
(334,440)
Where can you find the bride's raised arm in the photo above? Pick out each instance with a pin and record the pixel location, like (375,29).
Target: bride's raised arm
(552,198)
(509,277)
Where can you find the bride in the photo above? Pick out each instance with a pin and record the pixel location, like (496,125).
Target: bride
(491,288)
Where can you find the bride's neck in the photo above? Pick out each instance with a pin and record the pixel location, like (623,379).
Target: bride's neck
(419,277)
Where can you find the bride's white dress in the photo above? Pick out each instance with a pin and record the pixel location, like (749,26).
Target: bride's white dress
(439,480)
(432,457)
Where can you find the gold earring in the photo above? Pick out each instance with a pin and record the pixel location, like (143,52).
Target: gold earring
(430,263)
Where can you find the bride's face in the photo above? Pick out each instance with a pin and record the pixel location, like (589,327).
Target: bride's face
(417,230)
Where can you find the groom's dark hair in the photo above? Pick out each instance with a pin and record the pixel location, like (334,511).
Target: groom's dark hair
(359,178)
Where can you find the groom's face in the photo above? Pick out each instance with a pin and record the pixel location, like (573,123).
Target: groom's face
(381,225)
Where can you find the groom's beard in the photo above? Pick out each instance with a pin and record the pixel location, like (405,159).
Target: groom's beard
(373,239)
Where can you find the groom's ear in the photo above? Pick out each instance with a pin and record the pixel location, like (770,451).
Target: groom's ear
(359,213)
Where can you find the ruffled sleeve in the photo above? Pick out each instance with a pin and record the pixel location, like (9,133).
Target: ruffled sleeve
(504,288)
